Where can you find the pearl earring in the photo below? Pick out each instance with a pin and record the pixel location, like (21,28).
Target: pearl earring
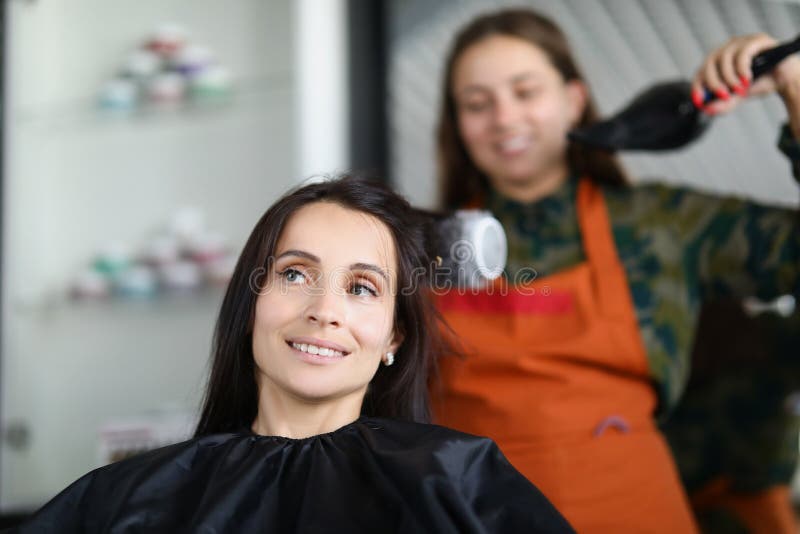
(389,360)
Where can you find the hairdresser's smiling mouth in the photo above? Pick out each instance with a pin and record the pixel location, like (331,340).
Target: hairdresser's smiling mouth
(513,146)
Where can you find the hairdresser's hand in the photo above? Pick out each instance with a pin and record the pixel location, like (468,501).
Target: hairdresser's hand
(726,73)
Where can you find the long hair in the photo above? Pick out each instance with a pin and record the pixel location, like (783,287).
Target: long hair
(460,179)
(399,391)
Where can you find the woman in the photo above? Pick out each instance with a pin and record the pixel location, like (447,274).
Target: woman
(321,336)
(568,372)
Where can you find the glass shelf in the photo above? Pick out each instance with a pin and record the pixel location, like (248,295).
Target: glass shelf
(57,305)
(247,95)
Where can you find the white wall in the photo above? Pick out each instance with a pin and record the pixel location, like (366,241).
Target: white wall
(323,144)
(75,180)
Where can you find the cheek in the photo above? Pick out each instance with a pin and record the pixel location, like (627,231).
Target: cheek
(262,326)
(273,311)
(473,130)
(372,328)
(553,111)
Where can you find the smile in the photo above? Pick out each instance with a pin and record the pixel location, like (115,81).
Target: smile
(514,145)
(317,351)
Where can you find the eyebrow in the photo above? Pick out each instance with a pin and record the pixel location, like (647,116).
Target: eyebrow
(359,266)
(370,267)
(299,253)
(524,76)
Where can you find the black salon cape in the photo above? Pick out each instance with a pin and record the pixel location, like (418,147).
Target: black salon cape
(373,475)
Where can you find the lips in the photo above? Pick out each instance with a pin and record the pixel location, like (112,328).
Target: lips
(317,351)
(513,145)
(318,347)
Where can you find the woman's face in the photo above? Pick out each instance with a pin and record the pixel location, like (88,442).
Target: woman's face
(325,316)
(514,110)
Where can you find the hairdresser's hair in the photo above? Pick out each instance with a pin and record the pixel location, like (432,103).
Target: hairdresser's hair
(399,391)
(460,179)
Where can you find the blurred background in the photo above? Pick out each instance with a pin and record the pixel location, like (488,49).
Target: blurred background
(142,140)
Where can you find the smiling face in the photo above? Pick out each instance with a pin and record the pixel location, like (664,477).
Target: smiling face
(514,110)
(326,315)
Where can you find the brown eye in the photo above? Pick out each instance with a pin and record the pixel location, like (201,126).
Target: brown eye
(526,93)
(475,106)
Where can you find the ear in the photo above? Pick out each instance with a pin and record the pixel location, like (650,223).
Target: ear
(577,97)
(397,340)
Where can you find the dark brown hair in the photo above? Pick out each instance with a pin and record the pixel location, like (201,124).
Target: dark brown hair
(460,180)
(399,391)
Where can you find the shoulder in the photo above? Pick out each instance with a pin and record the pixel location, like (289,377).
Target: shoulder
(679,210)
(404,434)
(443,450)
(180,456)
(91,501)
(169,463)
(644,197)
(471,474)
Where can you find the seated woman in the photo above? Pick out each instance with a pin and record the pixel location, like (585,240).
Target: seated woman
(303,429)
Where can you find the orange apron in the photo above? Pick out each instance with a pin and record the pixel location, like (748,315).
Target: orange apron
(768,511)
(555,372)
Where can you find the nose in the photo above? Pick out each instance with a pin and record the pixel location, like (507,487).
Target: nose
(506,112)
(325,308)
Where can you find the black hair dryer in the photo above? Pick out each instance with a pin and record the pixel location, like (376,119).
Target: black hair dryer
(663,117)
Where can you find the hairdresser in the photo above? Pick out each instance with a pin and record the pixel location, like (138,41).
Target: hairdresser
(569,372)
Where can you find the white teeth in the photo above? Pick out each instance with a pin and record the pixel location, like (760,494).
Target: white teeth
(320,351)
(515,143)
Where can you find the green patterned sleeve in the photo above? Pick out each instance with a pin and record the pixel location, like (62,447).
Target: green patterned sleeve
(741,248)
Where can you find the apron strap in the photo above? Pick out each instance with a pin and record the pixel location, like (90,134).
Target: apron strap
(611,281)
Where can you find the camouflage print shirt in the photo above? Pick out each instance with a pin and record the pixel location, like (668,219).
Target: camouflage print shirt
(679,248)
(739,417)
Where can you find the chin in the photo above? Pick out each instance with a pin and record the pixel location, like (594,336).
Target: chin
(518,171)
(313,389)
(316,396)
(318,388)
(515,180)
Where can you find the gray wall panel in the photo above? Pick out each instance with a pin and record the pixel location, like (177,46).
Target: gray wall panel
(623,46)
